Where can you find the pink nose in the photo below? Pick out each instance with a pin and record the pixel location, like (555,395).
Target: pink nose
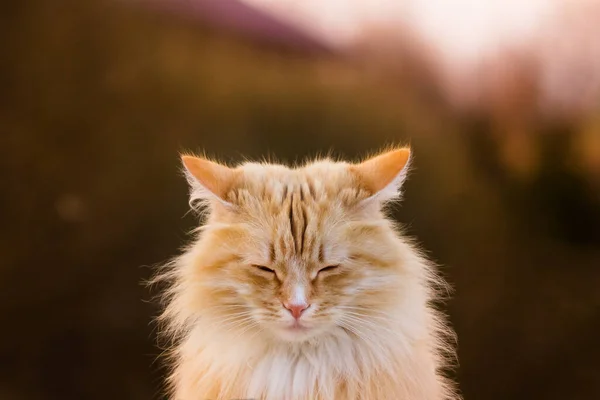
(296,309)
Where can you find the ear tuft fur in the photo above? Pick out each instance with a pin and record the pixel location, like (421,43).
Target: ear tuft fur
(384,174)
(208,180)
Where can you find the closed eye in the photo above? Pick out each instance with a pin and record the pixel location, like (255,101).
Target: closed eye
(328,268)
(265,269)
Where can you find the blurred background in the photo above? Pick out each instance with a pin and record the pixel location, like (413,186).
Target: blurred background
(499,99)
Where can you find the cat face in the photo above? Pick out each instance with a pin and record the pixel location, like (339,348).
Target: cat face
(296,254)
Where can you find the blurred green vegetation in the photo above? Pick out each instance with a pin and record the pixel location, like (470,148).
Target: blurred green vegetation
(99,97)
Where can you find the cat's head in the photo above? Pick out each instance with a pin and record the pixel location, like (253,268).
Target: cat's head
(295,253)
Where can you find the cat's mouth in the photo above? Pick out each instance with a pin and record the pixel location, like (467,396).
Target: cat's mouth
(297,326)
(296,331)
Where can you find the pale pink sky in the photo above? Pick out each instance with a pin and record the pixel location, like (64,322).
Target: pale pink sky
(563,37)
(459,28)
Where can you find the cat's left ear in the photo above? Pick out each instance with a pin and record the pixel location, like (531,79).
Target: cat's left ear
(383,175)
(208,180)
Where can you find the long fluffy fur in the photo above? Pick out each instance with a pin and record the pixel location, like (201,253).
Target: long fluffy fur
(382,338)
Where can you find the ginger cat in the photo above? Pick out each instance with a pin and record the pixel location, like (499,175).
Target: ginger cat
(297,287)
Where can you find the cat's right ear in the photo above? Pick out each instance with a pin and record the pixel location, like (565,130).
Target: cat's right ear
(208,180)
